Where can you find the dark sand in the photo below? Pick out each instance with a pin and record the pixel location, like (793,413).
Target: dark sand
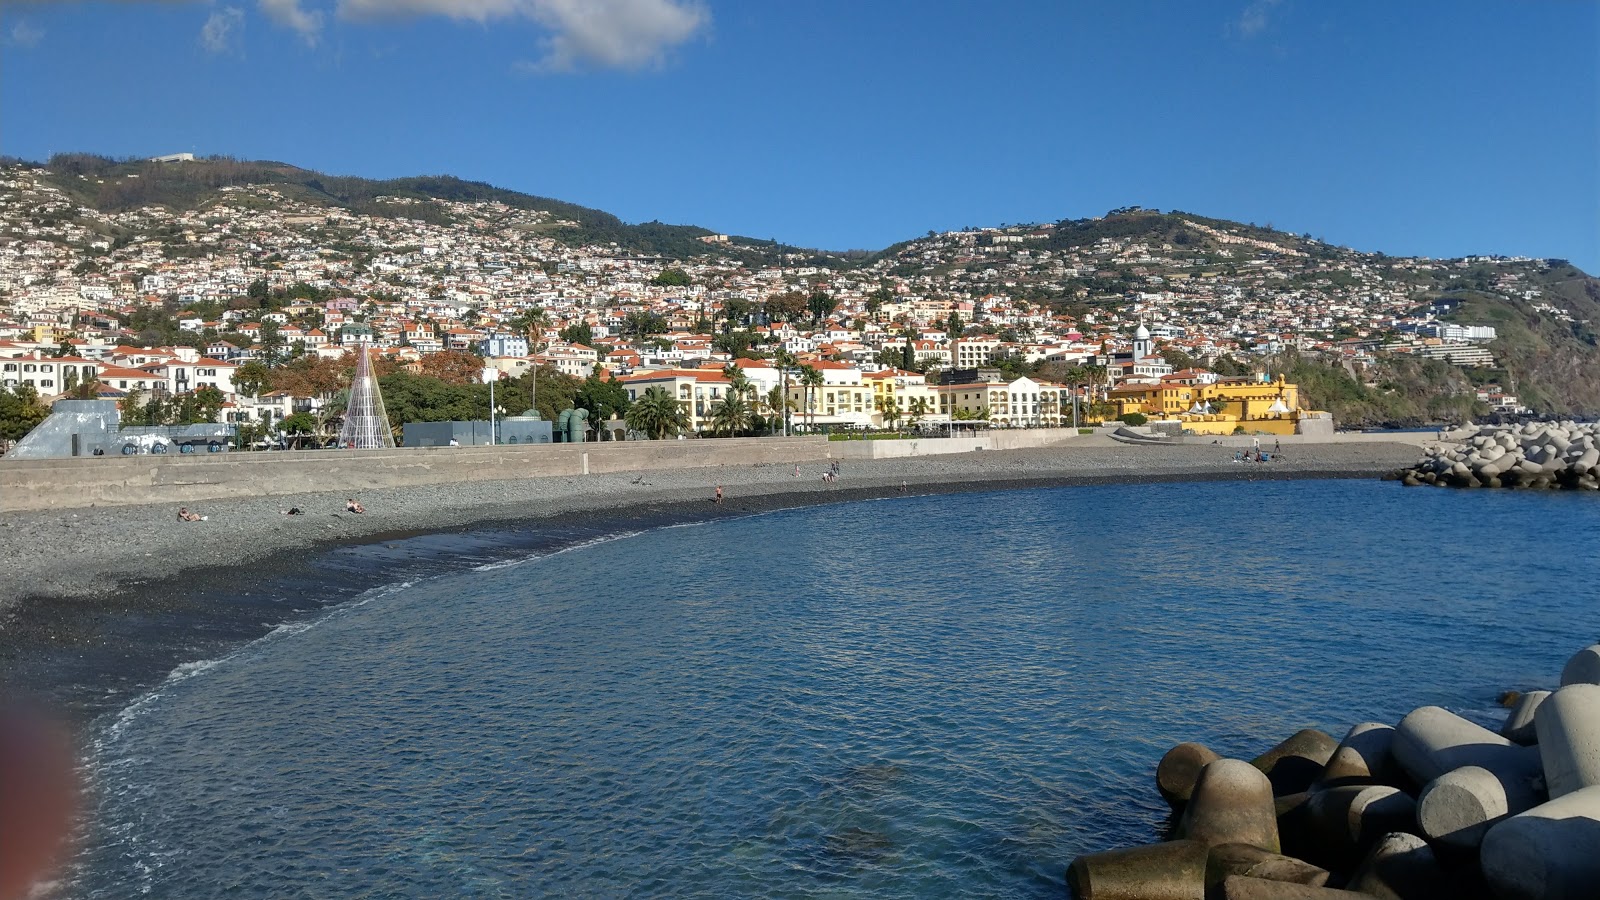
(98,604)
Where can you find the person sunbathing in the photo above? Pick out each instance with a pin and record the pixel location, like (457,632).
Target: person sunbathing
(184,515)
(351,505)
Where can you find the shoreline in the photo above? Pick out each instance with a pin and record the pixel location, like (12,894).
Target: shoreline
(89,619)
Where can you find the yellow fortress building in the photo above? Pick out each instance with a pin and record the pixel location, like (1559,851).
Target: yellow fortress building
(1207,404)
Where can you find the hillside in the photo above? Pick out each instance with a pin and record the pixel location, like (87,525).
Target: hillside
(109,185)
(1356,329)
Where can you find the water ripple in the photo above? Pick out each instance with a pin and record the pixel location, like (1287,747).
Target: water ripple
(924,697)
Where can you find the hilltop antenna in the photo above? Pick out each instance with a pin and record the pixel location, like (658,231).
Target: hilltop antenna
(366,424)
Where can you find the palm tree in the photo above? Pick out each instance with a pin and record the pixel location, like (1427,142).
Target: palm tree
(811,380)
(919,408)
(738,383)
(889,409)
(778,404)
(532,322)
(657,414)
(732,415)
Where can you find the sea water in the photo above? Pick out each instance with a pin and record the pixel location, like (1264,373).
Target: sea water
(939,696)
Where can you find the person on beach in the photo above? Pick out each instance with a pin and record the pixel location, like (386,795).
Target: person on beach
(184,515)
(351,505)
(902,487)
(293,511)
(1277,447)
(797,470)
(718,498)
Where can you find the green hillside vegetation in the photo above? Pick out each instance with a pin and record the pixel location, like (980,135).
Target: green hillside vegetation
(105,184)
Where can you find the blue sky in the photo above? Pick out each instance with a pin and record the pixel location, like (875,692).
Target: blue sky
(1442,128)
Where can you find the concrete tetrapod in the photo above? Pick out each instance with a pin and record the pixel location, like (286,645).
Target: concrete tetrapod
(1296,762)
(1400,867)
(1547,853)
(1175,870)
(1179,769)
(1431,741)
(1568,724)
(1518,728)
(1231,804)
(1458,808)
(1243,859)
(1361,758)
(1583,667)
(1350,820)
(1240,887)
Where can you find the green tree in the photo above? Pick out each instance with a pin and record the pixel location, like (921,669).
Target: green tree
(639,324)
(953,326)
(735,311)
(732,416)
(578,333)
(299,427)
(890,410)
(603,398)
(821,304)
(657,414)
(672,277)
(778,405)
(811,380)
(252,378)
(20,411)
(272,343)
(66,349)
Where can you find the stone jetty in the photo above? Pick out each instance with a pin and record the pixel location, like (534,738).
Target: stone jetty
(1433,806)
(1535,455)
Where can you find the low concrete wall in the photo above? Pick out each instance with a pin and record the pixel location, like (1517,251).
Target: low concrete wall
(909,447)
(27,484)
(998,439)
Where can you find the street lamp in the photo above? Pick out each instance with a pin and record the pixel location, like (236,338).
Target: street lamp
(490,376)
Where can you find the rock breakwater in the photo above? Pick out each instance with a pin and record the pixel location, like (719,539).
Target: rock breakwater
(1435,806)
(1535,455)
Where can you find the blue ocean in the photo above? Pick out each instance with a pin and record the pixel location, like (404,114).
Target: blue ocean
(935,696)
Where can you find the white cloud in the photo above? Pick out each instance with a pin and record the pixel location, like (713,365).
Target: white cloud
(290,14)
(1255,18)
(24,35)
(217,34)
(617,34)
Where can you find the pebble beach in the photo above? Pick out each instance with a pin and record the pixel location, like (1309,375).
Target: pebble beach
(93,552)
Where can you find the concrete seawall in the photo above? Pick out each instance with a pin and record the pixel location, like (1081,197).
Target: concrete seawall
(27,485)
(30,485)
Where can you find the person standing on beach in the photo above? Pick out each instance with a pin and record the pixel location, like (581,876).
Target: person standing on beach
(718,498)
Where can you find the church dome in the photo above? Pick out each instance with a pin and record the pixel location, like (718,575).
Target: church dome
(1143,334)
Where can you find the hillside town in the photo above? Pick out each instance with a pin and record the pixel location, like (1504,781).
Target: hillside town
(1011,326)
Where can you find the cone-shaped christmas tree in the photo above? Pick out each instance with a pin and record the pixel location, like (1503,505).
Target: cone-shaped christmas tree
(366,425)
